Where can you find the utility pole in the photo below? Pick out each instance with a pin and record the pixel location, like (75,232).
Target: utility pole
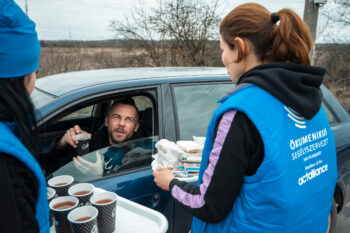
(310,18)
(26,6)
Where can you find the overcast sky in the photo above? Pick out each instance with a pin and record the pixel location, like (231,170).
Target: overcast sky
(90,19)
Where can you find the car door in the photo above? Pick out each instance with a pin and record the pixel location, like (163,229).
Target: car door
(194,104)
(133,182)
(339,120)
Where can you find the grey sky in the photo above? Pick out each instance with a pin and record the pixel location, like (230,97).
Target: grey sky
(90,19)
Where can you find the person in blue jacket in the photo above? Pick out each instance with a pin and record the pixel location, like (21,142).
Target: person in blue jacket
(23,194)
(269,160)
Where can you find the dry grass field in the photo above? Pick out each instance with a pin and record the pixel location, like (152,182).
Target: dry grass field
(67,56)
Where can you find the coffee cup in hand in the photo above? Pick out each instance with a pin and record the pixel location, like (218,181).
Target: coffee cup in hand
(106,203)
(60,207)
(61,184)
(82,191)
(83,144)
(83,219)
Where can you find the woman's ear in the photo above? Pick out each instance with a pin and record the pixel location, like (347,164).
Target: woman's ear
(243,44)
(243,48)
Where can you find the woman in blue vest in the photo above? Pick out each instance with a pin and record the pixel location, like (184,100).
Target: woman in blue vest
(269,160)
(23,194)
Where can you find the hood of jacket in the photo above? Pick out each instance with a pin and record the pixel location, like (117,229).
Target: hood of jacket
(297,86)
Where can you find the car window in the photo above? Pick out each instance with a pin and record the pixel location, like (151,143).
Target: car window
(111,160)
(330,116)
(137,150)
(195,105)
(81,113)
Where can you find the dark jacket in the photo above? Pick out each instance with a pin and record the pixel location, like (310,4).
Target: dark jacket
(298,87)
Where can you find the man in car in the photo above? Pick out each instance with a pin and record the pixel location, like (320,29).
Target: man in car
(121,124)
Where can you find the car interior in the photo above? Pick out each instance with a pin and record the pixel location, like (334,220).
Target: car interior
(90,116)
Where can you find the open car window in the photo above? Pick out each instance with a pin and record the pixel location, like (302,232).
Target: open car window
(112,160)
(90,116)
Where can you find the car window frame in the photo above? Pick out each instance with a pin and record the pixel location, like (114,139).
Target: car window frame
(94,98)
(331,111)
(335,106)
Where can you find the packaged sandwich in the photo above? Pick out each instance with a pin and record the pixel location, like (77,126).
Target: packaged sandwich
(190,147)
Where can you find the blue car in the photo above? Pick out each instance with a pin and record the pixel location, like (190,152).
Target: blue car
(173,103)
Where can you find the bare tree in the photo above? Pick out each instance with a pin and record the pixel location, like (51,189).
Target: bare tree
(336,25)
(176,32)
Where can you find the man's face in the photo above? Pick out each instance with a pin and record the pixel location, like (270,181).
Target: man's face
(121,122)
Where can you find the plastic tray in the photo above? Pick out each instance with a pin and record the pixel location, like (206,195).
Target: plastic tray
(133,217)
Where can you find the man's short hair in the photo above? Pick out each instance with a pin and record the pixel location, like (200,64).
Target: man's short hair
(127,101)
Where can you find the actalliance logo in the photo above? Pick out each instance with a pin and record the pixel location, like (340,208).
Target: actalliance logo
(312,174)
(299,121)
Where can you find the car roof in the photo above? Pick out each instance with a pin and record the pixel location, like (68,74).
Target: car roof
(64,83)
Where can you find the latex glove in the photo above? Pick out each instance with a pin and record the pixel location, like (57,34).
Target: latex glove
(162,178)
(169,157)
(87,167)
(169,147)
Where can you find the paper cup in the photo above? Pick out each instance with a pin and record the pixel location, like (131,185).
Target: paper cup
(51,194)
(83,219)
(60,207)
(83,144)
(61,184)
(106,204)
(83,192)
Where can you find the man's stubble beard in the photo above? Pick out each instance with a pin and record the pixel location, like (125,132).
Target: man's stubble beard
(127,137)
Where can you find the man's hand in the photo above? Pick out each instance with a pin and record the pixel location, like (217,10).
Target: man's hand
(69,137)
(87,167)
(162,178)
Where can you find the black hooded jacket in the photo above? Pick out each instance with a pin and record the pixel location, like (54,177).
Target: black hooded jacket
(298,87)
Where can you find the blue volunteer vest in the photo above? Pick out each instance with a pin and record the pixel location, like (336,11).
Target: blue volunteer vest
(11,145)
(292,190)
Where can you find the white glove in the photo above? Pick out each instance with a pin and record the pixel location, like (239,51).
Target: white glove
(171,158)
(169,147)
(87,167)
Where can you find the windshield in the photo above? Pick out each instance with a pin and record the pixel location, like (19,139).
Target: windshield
(40,98)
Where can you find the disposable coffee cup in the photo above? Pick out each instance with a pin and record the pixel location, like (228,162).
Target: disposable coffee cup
(61,184)
(51,194)
(83,219)
(82,191)
(106,203)
(83,144)
(60,207)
